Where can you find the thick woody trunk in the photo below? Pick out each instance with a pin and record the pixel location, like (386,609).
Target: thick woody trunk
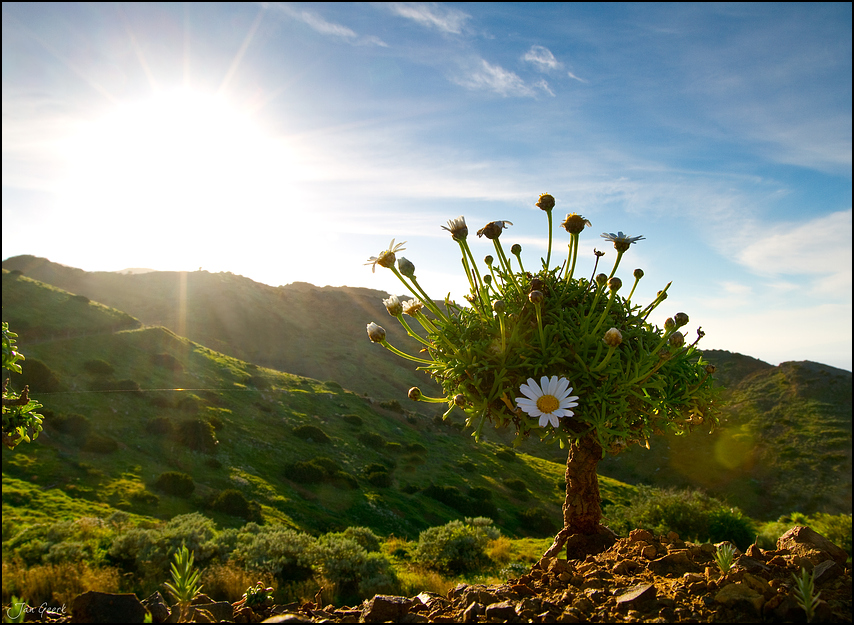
(582,532)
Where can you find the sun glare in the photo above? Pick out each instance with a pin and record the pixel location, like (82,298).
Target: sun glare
(179,161)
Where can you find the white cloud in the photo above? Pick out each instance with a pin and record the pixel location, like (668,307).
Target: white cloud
(325,27)
(542,84)
(542,58)
(431,15)
(495,78)
(574,77)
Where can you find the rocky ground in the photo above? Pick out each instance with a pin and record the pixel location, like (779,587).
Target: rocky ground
(642,578)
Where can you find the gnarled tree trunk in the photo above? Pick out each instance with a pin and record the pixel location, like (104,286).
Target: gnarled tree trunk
(582,531)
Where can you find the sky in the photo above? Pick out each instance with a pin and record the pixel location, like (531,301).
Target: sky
(292,142)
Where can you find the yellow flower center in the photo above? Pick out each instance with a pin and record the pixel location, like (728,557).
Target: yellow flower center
(548,403)
(386,259)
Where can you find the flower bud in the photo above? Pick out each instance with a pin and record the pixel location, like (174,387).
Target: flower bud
(710,369)
(406,267)
(669,324)
(376,332)
(574,223)
(414,393)
(412,307)
(493,229)
(546,202)
(601,279)
(536,284)
(488,260)
(662,295)
(681,319)
(615,283)
(487,279)
(612,338)
(516,249)
(459,400)
(499,306)
(393,306)
(677,339)
(536,297)
(638,274)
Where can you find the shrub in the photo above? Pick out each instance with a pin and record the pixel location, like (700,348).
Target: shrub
(416,448)
(516,484)
(392,405)
(537,522)
(507,455)
(77,425)
(329,466)
(38,376)
(480,493)
(284,553)
(141,549)
(145,498)
(197,434)
(98,367)
(159,426)
(344,480)
(355,572)
(352,419)
(234,503)
(456,547)
(175,483)
(166,361)
(305,472)
(372,440)
(448,495)
(380,480)
(311,433)
(98,444)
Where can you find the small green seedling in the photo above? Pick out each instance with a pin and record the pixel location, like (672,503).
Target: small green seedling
(185,586)
(804,589)
(725,557)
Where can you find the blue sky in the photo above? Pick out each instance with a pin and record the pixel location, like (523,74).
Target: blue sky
(290,142)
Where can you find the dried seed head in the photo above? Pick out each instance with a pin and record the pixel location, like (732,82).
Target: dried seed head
(574,223)
(546,202)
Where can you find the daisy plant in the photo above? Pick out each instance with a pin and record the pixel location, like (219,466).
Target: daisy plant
(557,356)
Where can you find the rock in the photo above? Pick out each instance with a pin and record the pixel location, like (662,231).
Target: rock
(826,571)
(640,535)
(739,596)
(472,612)
(220,610)
(675,563)
(636,595)
(502,611)
(805,542)
(158,607)
(625,567)
(105,607)
(385,608)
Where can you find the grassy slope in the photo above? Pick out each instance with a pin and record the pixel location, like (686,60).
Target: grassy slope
(784,426)
(258,408)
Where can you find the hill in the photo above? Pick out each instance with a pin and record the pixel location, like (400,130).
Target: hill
(151,423)
(784,446)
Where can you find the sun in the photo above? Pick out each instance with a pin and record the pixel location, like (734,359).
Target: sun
(179,161)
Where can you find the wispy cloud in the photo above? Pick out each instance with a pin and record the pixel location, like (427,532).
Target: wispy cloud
(432,15)
(321,25)
(542,58)
(483,75)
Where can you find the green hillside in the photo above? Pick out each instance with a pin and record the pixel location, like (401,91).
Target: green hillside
(124,408)
(785,443)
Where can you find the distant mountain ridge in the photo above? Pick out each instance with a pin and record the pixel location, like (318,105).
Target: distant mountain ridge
(785,444)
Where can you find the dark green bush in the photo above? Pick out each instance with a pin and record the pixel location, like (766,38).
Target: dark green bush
(416,448)
(197,434)
(233,502)
(159,426)
(516,484)
(372,440)
(166,361)
(450,496)
(146,498)
(305,472)
(409,489)
(38,376)
(126,385)
(77,425)
(343,480)
(329,466)
(175,483)
(99,444)
(468,466)
(353,419)
(480,493)
(98,367)
(537,522)
(507,455)
(284,553)
(355,572)
(456,547)
(380,480)
(311,433)
(393,405)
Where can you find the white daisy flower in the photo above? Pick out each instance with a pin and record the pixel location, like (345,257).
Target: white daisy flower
(549,400)
(386,257)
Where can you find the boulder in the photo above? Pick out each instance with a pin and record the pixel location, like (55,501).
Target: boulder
(106,607)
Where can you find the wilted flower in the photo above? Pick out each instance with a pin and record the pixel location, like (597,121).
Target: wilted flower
(549,400)
(406,267)
(376,332)
(621,241)
(613,338)
(458,228)
(546,202)
(386,257)
(393,306)
(493,229)
(574,223)
(412,306)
